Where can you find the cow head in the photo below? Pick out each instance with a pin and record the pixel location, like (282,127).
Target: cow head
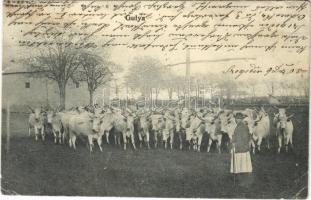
(283,120)
(96,122)
(50,115)
(38,114)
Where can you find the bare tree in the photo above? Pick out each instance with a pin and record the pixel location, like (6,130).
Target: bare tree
(94,71)
(57,62)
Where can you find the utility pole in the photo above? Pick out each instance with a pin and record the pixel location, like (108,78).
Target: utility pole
(47,92)
(188,76)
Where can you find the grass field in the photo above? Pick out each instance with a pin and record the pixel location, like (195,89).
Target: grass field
(43,168)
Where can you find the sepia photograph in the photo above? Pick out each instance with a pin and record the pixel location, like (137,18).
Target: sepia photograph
(163,99)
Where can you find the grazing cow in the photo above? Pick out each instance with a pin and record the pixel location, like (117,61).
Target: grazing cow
(54,120)
(168,131)
(195,132)
(249,119)
(227,122)
(129,133)
(213,128)
(120,125)
(284,129)
(261,130)
(157,123)
(185,124)
(85,124)
(230,126)
(109,119)
(178,128)
(65,116)
(143,130)
(36,122)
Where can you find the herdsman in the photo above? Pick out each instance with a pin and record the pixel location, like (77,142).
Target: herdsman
(240,154)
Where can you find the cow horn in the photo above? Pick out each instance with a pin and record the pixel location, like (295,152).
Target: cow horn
(290,116)
(32,110)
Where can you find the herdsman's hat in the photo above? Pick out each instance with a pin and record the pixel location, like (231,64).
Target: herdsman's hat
(239,115)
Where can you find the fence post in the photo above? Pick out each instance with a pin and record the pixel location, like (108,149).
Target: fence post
(8,134)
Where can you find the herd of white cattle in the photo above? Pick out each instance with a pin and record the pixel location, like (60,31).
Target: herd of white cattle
(165,123)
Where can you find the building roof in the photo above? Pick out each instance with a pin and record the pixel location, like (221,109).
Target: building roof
(13,67)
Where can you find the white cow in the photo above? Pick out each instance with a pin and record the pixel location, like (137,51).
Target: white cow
(157,123)
(115,120)
(213,128)
(129,133)
(65,116)
(195,132)
(36,122)
(261,130)
(85,124)
(178,128)
(168,131)
(284,129)
(143,132)
(54,120)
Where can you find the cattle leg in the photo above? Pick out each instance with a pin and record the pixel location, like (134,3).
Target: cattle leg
(171,138)
(195,144)
(291,142)
(280,143)
(107,137)
(133,141)
(90,143)
(42,133)
(60,137)
(73,141)
(70,142)
(29,130)
(99,142)
(36,133)
(180,141)
(124,141)
(259,143)
(287,143)
(140,140)
(64,135)
(219,143)
(210,141)
(268,142)
(155,139)
(119,139)
(199,142)
(253,146)
(55,136)
(147,139)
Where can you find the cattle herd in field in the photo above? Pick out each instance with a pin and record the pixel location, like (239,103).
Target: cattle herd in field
(189,126)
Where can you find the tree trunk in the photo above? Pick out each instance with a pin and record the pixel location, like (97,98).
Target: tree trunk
(91,92)
(62,95)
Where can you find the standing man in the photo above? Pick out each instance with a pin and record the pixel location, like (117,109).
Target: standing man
(240,154)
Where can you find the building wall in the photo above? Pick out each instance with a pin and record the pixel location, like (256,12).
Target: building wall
(42,91)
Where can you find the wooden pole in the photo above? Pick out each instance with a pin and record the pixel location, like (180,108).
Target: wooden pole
(127,95)
(188,76)
(103,96)
(8,133)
